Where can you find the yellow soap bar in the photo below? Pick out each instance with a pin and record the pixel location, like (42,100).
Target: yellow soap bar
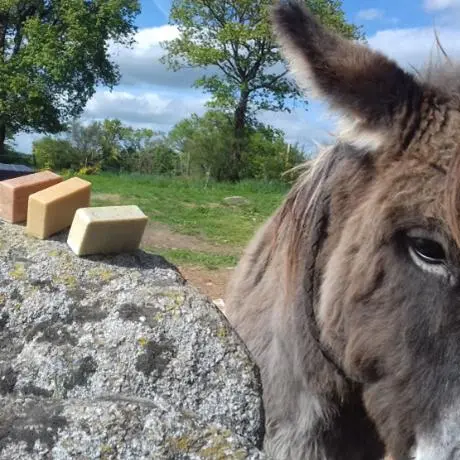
(53,209)
(14,193)
(107,230)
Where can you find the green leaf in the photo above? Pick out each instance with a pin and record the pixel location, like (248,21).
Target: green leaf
(54,55)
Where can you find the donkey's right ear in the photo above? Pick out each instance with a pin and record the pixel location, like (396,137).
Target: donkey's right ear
(366,86)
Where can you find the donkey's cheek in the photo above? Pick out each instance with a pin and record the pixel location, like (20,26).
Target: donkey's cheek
(443,442)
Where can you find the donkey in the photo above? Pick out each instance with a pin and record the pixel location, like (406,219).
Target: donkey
(348,297)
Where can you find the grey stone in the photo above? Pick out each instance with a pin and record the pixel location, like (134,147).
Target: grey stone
(236,201)
(117,357)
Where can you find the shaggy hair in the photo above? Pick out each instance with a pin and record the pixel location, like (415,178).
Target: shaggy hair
(357,339)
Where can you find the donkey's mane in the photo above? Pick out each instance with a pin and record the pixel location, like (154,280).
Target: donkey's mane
(301,220)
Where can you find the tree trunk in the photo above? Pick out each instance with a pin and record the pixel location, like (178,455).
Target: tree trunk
(239,127)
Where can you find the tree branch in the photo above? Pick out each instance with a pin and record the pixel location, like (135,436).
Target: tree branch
(270,84)
(227,72)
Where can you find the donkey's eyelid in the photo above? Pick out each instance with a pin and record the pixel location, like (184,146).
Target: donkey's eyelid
(418,232)
(438,269)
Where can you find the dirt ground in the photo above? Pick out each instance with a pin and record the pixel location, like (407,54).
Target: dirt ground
(209,282)
(161,236)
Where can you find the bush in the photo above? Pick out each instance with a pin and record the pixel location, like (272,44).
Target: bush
(90,170)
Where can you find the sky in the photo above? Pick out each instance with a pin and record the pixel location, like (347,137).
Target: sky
(151,96)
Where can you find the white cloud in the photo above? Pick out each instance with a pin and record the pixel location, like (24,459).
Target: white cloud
(438,5)
(158,110)
(140,65)
(413,47)
(370,14)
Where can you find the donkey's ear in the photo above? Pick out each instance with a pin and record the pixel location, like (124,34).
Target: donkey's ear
(368,87)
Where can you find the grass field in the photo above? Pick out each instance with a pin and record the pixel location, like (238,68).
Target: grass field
(190,224)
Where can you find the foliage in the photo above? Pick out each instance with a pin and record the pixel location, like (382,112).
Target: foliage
(54,153)
(232,39)
(107,145)
(11,156)
(204,143)
(90,170)
(268,155)
(53,54)
(196,146)
(154,157)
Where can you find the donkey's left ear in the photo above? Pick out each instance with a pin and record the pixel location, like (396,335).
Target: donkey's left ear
(373,91)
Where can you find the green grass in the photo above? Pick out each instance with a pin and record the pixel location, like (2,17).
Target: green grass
(203,259)
(190,208)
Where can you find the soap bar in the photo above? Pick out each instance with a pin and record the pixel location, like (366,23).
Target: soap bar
(14,193)
(53,209)
(106,230)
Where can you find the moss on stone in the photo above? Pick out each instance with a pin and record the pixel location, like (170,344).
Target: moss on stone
(103,274)
(159,317)
(18,272)
(222,332)
(220,448)
(181,444)
(106,452)
(69,281)
(142,342)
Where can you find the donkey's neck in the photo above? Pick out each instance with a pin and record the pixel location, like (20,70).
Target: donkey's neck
(311,411)
(310,403)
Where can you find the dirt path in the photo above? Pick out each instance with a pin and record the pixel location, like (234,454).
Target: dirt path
(159,235)
(209,282)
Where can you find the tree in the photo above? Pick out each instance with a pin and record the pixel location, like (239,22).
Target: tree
(87,143)
(55,154)
(53,54)
(155,157)
(233,38)
(202,143)
(268,155)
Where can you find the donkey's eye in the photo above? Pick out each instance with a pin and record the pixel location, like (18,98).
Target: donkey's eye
(429,251)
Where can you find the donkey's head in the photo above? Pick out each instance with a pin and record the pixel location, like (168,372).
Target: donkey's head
(389,288)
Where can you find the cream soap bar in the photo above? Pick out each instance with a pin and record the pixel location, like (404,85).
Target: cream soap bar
(107,230)
(53,209)
(14,193)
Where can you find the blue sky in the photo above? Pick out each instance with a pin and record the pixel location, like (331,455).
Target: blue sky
(151,96)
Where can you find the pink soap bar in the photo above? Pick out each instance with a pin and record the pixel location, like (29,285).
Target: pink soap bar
(14,193)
